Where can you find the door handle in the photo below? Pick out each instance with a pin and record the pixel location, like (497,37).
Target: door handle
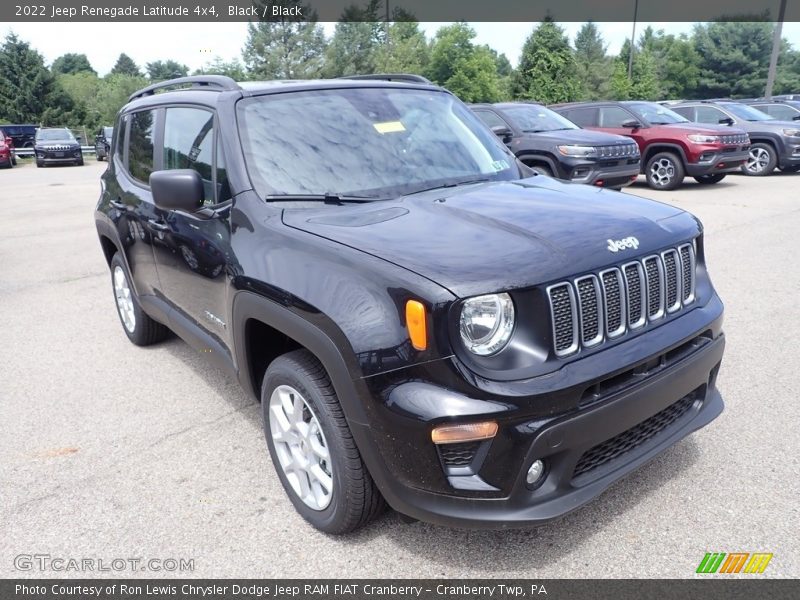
(118,204)
(158,225)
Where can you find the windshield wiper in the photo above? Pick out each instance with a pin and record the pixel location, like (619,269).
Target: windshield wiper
(449,185)
(326,198)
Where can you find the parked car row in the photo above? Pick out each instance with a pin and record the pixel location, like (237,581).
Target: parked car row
(590,142)
(50,145)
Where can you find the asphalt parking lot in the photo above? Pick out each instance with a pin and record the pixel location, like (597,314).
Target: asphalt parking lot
(111,451)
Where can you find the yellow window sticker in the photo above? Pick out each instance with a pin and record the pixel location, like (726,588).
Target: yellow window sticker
(389,127)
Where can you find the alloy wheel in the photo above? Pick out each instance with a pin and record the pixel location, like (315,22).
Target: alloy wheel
(122,292)
(662,172)
(301,447)
(758,160)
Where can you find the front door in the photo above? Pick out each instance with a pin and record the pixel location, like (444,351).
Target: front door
(193,250)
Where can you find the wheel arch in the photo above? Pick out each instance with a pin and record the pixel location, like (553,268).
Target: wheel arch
(530,157)
(654,149)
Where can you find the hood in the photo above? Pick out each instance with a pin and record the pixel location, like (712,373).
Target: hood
(581,136)
(502,235)
(709,128)
(59,142)
(769,126)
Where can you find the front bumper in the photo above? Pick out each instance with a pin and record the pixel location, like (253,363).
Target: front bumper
(791,156)
(715,160)
(603,173)
(585,450)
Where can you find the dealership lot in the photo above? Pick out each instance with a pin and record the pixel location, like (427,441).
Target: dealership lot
(112,451)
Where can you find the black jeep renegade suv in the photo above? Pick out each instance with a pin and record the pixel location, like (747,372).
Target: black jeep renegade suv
(424,322)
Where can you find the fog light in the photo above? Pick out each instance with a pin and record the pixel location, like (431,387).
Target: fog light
(535,472)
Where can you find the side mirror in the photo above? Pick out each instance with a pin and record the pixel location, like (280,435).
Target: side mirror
(796,118)
(726,121)
(631,124)
(502,131)
(178,189)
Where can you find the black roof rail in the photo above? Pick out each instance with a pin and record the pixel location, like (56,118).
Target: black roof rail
(219,83)
(405,77)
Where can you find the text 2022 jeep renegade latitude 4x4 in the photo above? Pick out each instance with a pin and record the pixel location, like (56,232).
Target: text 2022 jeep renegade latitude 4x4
(423,321)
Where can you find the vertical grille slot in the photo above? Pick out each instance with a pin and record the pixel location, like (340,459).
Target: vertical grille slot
(687,272)
(591,319)
(672,280)
(654,272)
(614,302)
(564,318)
(634,287)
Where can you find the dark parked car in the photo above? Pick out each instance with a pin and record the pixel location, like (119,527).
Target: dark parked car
(671,146)
(7,157)
(422,324)
(783,110)
(57,145)
(774,143)
(23,135)
(551,145)
(102,142)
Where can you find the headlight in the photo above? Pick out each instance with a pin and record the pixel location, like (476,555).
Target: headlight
(486,323)
(704,139)
(578,151)
(791,132)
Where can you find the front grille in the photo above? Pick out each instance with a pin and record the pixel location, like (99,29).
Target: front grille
(58,148)
(458,455)
(736,138)
(592,308)
(618,151)
(635,436)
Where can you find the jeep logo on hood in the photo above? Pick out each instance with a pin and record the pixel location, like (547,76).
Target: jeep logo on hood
(617,245)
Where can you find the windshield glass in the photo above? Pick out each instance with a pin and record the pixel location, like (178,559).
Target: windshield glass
(532,118)
(50,135)
(748,113)
(655,114)
(378,142)
(108,131)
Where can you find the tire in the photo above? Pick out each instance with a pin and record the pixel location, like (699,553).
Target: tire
(710,179)
(13,161)
(137,325)
(791,169)
(79,163)
(39,164)
(298,381)
(99,158)
(763,160)
(540,168)
(664,171)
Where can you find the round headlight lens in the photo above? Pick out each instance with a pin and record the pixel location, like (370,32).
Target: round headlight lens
(486,323)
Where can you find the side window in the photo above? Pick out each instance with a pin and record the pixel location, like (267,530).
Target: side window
(709,114)
(491,119)
(685,111)
(613,116)
(190,143)
(779,111)
(140,145)
(582,117)
(119,139)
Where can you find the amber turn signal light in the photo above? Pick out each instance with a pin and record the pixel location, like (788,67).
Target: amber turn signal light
(417,324)
(470,432)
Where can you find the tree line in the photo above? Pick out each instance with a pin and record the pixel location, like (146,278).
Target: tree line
(718,59)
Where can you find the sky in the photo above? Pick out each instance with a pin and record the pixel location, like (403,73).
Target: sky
(195,44)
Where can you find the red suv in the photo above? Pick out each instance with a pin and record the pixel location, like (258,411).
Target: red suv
(671,145)
(7,157)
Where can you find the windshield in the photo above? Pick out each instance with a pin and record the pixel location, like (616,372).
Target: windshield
(108,131)
(748,113)
(532,118)
(377,142)
(50,135)
(655,114)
